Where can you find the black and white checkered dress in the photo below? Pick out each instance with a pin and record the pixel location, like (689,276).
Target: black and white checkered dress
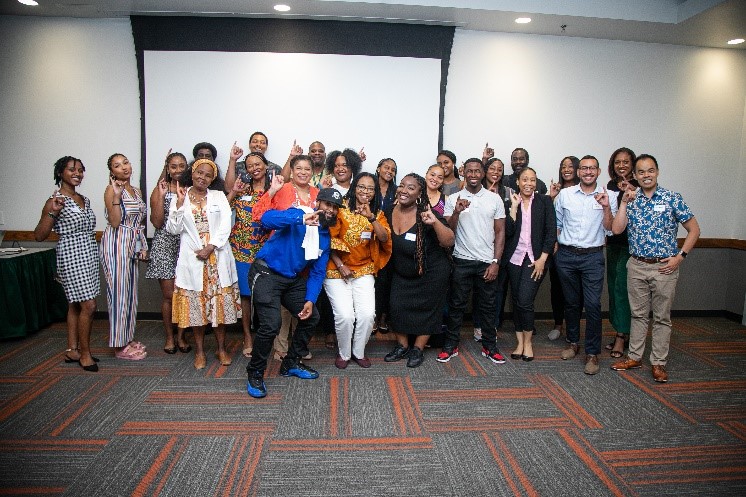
(165,249)
(77,251)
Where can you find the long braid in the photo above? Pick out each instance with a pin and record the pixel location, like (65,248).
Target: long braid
(423,202)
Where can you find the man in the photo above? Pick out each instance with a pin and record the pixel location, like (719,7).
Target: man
(477,217)
(205,150)
(519,161)
(278,277)
(584,213)
(652,216)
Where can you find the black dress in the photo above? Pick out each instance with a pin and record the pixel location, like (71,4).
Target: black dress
(417,302)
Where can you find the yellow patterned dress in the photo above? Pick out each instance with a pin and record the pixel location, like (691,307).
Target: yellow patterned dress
(213,305)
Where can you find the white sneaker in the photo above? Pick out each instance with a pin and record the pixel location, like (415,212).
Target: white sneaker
(554,334)
(477,334)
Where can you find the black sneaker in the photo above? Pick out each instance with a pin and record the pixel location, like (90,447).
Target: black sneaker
(416,357)
(255,386)
(298,370)
(397,354)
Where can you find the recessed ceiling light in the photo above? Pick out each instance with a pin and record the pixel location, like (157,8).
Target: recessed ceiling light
(736,41)
(523,20)
(282,8)
(31,3)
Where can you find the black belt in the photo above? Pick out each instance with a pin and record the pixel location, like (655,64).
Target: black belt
(260,262)
(582,250)
(648,260)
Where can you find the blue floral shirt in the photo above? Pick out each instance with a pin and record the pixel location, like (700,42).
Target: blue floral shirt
(653,223)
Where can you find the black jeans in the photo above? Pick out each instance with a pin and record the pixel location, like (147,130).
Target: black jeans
(269,291)
(468,275)
(524,290)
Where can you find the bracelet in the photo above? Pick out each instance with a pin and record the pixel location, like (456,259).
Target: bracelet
(52,215)
(371,221)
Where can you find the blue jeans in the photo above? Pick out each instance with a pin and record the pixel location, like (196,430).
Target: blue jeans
(582,279)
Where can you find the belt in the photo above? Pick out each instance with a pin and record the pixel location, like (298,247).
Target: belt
(260,262)
(648,260)
(582,250)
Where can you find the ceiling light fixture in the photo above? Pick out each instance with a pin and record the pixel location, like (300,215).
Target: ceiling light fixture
(30,3)
(282,7)
(523,20)
(736,41)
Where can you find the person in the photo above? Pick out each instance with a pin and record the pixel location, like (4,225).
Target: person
(386,179)
(434,181)
(165,250)
(493,181)
(123,245)
(451,181)
(206,290)
(584,213)
(289,270)
(530,232)
(652,215)
(617,254)
(361,246)
(258,142)
(420,270)
(69,214)
(568,176)
(342,167)
(477,216)
(317,153)
(518,160)
(205,150)
(247,235)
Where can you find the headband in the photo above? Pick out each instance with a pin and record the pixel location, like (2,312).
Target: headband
(199,162)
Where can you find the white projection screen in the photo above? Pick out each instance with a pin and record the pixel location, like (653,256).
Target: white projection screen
(389,105)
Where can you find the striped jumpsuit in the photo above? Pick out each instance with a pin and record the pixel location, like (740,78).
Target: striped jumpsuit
(119,249)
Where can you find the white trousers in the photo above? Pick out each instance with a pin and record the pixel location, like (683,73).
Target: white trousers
(353,301)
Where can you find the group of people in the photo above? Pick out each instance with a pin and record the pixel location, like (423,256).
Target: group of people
(317,240)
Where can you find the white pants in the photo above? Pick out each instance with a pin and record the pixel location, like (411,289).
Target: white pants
(353,301)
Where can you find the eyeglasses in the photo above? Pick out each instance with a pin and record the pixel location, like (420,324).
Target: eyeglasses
(588,168)
(370,189)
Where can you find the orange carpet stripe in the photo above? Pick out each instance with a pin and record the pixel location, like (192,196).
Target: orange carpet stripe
(142,487)
(53,445)
(396,403)
(333,406)
(171,465)
(517,470)
(230,470)
(655,393)
(193,428)
(415,405)
(16,379)
(480,424)
(22,347)
(735,428)
(250,467)
(697,479)
(21,400)
(565,403)
(500,464)
(706,386)
(472,395)
(582,452)
(49,364)
(671,455)
(413,423)
(346,407)
(90,399)
(470,364)
(209,398)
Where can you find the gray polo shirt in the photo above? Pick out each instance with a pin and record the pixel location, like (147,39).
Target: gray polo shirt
(475,233)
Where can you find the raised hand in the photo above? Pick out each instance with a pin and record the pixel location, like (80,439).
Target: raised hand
(461,170)
(362,154)
(326,181)
(428,217)
(58,202)
(364,210)
(554,188)
(276,184)
(180,194)
(629,195)
(461,205)
(515,200)
(602,198)
(236,151)
(488,152)
(239,186)
(311,219)
(162,187)
(116,186)
(295,150)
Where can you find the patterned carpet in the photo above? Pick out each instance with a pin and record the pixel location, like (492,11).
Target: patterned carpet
(468,427)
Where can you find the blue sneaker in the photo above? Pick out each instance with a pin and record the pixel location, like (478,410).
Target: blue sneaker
(255,386)
(300,370)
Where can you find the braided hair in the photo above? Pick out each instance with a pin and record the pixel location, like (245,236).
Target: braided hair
(422,203)
(60,166)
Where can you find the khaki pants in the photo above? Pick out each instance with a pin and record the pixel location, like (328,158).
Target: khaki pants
(281,340)
(650,290)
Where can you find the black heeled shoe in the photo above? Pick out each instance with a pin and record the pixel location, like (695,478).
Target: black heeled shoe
(527,358)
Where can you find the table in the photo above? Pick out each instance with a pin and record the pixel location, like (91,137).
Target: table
(30,298)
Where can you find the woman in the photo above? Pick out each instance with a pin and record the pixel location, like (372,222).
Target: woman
(69,214)
(123,245)
(451,181)
(386,179)
(342,166)
(568,176)
(434,181)
(530,234)
(621,164)
(421,269)
(165,250)
(247,235)
(298,192)
(361,245)
(206,290)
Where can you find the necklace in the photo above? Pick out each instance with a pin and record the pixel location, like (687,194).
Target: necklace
(196,199)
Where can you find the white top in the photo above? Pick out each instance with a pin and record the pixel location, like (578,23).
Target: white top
(580,218)
(475,233)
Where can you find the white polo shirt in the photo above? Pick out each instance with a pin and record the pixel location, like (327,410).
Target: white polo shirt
(475,233)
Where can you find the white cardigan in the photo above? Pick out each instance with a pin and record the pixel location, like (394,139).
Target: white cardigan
(189,269)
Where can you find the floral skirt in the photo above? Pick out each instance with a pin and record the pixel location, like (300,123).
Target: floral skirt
(214,305)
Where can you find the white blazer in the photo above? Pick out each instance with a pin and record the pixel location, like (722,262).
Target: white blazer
(189,269)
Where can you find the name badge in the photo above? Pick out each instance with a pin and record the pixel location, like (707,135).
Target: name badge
(659,208)
(245,198)
(597,206)
(410,237)
(365,235)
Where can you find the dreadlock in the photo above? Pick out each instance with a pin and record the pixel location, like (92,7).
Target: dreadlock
(422,203)
(375,201)
(60,166)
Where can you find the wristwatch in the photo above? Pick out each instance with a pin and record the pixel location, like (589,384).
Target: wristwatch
(683,254)
(496,261)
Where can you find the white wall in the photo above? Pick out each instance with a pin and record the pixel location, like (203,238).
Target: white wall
(559,96)
(67,87)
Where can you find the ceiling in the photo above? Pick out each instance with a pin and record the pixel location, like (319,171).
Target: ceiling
(705,23)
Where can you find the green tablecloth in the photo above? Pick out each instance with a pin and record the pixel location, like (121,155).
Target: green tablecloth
(30,298)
